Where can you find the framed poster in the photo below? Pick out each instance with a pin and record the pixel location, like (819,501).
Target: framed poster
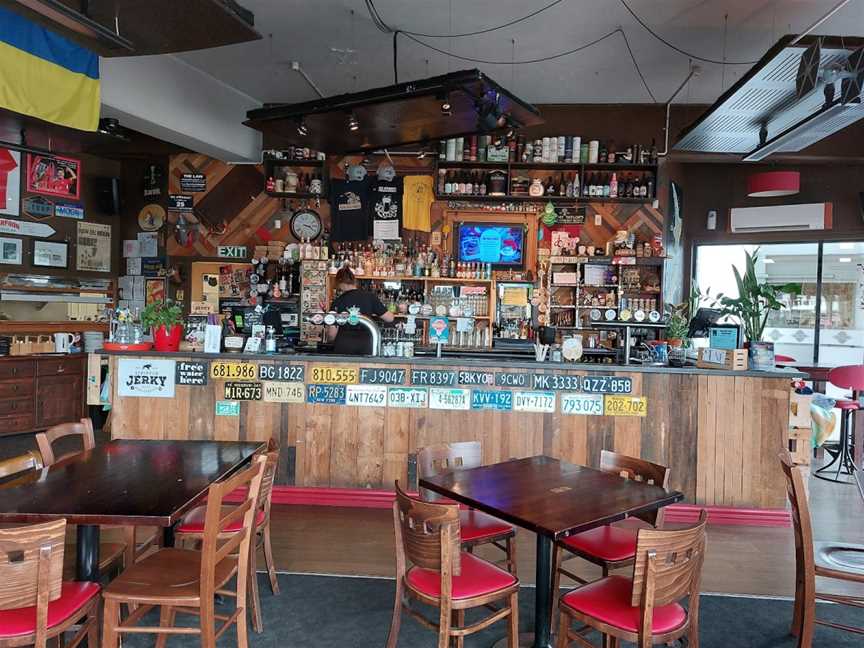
(10,182)
(154,291)
(94,247)
(50,254)
(54,176)
(10,251)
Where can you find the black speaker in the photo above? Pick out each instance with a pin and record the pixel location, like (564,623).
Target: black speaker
(107,192)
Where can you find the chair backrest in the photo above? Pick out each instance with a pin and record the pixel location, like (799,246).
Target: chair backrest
(801,524)
(46,440)
(668,568)
(268,477)
(637,470)
(218,546)
(444,458)
(30,460)
(847,377)
(427,534)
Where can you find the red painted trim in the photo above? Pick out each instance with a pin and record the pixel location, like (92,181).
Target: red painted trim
(383,499)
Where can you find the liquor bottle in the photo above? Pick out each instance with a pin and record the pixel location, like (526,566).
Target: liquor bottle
(442,150)
(568,189)
(472,148)
(606,188)
(469,184)
(613,186)
(649,189)
(484,184)
(448,183)
(442,181)
(460,148)
(576,191)
(551,190)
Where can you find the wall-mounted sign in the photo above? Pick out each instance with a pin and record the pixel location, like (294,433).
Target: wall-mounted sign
(449,399)
(283,392)
(382,376)
(152,186)
(483,378)
(26,228)
(38,207)
(191,373)
(512,379)
(283,371)
(146,378)
(584,404)
(416,397)
(243,391)
(534,401)
(180,203)
(366,395)
(231,251)
(69,210)
(626,406)
(193,182)
(489,399)
(439,330)
(94,247)
(220,370)
(433,377)
(10,182)
(227,408)
(334,375)
(326,394)
(53,175)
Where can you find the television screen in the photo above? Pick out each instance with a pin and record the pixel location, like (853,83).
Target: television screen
(500,245)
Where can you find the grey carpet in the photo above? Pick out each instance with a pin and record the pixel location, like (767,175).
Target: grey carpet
(329,612)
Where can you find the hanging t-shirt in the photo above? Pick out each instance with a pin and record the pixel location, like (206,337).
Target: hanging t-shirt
(418,203)
(349,210)
(385,199)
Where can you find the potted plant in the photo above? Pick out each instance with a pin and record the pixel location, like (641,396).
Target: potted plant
(163,319)
(755,299)
(677,324)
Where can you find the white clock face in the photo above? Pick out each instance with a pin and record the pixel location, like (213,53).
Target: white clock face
(306,225)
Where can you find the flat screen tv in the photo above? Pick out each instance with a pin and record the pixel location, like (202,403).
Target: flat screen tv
(501,245)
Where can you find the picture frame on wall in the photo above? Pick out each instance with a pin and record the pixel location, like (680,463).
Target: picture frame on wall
(154,291)
(50,254)
(10,182)
(54,176)
(11,251)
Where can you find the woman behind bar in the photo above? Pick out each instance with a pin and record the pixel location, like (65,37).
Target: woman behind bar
(352,339)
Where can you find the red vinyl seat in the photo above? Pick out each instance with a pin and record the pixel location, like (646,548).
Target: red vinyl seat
(609,543)
(608,601)
(475,525)
(193,521)
(847,405)
(477,578)
(18,622)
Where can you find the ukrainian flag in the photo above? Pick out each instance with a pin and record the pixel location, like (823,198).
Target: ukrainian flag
(45,75)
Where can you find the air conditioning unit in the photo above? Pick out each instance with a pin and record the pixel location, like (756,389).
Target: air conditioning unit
(780,218)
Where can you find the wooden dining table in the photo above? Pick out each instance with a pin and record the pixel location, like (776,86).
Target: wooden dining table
(554,499)
(128,483)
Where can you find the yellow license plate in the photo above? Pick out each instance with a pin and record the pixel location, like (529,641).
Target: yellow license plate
(233,371)
(328,375)
(626,406)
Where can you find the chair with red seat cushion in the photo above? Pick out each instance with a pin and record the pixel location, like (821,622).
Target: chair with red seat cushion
(431,568)
(477,528)
(646,610)
(35,603)
(611,546)
(846,377)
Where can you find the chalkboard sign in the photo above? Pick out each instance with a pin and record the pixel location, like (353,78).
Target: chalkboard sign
(433,377)
(191,373)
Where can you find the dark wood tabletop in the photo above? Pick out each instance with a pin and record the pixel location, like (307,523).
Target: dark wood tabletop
(550,497)
(152,483)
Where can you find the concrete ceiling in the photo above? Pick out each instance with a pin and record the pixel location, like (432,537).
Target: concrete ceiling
(344,52)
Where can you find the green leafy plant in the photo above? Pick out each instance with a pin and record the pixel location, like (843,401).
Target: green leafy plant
(162,313)
(755,300)
(677,321)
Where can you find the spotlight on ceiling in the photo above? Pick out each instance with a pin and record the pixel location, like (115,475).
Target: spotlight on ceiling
(446,106)
(353,124)
(301,127)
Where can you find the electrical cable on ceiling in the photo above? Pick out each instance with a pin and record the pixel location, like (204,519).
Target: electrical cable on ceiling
(678,49)
(636,65)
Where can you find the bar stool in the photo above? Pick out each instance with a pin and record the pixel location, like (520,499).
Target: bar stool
(846,377)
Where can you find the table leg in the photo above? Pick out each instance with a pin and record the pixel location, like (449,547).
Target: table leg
(87,553)
(168,536)
(543,593)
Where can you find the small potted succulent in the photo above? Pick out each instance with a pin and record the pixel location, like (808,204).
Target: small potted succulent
(677,324)
(164,319)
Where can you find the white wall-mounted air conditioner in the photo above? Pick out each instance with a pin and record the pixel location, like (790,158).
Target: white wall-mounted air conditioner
(780,218)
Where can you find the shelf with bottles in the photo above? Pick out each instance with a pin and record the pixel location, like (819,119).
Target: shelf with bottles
(542,199)
(299,179)
(424,279)
(607,260)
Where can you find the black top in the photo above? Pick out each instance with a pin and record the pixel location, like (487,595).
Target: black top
(386,202)
(349,210)
(356,340)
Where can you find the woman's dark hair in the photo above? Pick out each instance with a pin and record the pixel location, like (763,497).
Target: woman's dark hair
(345,276)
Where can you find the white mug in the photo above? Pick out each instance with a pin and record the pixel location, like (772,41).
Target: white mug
(62,342)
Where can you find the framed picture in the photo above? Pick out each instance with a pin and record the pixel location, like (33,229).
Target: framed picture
(54,176)
(10,251)
(154,291)
(10,182)
(50,254)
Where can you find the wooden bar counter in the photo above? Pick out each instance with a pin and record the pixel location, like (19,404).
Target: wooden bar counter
(718,431)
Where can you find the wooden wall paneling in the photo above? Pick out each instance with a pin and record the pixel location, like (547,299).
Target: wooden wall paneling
(227,428)
(263,421)
(176,421)
(663,437)
(370,438)
(345,446)
(733,412)
(551,431)
(704,440)
(397,445)
(628,429)
(202,410)
(573,433)
(775,432)
(600,435)
(317,443)
(724,392)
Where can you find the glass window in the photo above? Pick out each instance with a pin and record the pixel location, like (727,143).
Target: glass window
(841,324)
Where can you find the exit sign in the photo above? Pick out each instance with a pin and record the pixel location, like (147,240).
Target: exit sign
(232,251)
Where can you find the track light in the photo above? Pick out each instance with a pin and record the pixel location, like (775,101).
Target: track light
(301,127)
(446,106)
(353,124)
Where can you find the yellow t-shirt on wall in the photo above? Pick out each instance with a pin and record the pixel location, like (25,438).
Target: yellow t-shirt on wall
(417,199)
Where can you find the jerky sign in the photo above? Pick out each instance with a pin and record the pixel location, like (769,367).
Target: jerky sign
(146,378)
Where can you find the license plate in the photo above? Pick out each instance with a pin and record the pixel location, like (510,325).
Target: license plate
(626,406)
(482,399)
(284,392)
(366,395)
(328,375)
(449,399)
(227,408)
(286,372)
(326,394)
(243,391)
(585,404)
(607,384)
(534,401)
(220,370)
(407,397)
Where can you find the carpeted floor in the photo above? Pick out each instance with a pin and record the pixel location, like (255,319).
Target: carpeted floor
(331,611)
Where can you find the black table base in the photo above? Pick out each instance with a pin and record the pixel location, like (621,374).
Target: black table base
(87,553)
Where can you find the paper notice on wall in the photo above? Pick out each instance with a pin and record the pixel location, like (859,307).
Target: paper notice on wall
(133,266)
(149,244)
(138,288)
(94,247)
(515,296)
(385,230)
(126,287)
(131,249)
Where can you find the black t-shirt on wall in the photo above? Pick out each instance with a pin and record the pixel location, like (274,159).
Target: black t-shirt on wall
(349,210)
(356,340)
(385,199)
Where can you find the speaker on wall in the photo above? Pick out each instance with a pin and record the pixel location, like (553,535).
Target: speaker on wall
(108,195)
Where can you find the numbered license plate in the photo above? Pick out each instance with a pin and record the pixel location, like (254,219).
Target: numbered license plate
(407,397)
(366,395)
(328,375)
(482,399)
(585,404)
(626,406)
(449,399)
(534,401)
(284,392)
(243,391)
(233,371)
(286,372)
(326,394)
(607,384)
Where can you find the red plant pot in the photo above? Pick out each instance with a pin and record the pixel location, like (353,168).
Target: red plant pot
(167,340)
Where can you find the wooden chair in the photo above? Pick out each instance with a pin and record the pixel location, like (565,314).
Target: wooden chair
(645,610)
(16,466)
(191,528)
(186,581)
(35,604)
(46,440)
(614,545)
(823,559)
(476,528)
(440,575)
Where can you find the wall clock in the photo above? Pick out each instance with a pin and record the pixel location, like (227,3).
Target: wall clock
(306,224)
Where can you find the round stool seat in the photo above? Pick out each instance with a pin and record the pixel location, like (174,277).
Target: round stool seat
(847,405)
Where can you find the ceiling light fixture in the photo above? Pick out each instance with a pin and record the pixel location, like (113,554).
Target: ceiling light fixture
(353,124)
(302,129)
(771,184)
(446,106)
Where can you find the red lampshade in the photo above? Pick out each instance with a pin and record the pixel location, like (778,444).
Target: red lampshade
(773,183)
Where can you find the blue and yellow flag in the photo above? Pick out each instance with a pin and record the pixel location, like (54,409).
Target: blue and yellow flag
(45,75)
